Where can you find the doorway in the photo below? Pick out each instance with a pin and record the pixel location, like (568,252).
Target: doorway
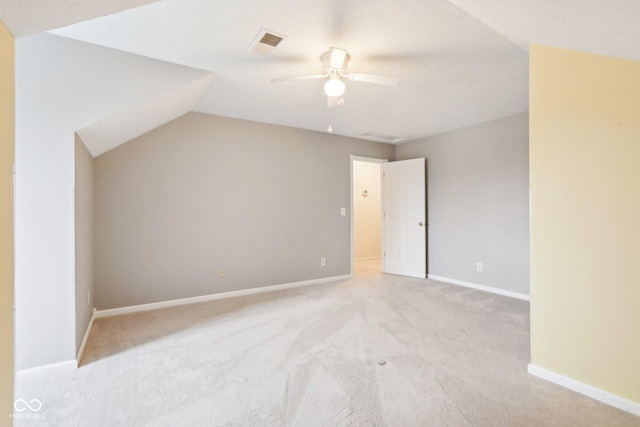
(366,214)
(395,242)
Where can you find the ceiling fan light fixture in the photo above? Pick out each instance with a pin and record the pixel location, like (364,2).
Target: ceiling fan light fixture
(334,87)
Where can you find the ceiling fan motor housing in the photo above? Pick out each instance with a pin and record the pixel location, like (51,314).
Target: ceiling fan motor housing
(328,69)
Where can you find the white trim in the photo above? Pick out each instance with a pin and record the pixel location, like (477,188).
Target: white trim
(367,159)
(211,297)
(585,389)
(498,291)
(371,258)
(86,337)
(52,368)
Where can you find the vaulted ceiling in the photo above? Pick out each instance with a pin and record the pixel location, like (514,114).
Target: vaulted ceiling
(460,62)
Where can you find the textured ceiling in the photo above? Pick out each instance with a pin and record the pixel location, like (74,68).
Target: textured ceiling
(106,96)
(610,27)
(26,17)
(114,130)
(460,62)
(454,70)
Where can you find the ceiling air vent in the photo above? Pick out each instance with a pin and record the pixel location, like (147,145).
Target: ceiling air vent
(379,137)
(265,43)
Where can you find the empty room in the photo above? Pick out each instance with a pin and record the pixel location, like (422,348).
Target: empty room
(335,213)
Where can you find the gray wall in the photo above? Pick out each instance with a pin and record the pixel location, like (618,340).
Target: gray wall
(205,192)
(44,226)
(56,95)
(84,238)
(477,188)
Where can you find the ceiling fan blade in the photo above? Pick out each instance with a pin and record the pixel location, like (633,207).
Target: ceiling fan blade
(305,77)
(374,78)
(333,101)
(337,57)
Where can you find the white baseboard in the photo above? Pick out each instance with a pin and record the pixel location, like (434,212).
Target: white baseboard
(192,300)
(498,291)
(371,258)
(53,368)
(86,337)
(593,392)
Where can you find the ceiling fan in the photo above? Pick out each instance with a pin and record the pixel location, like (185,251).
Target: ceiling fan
(334,64)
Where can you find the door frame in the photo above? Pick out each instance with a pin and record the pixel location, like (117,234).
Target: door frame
(356,158)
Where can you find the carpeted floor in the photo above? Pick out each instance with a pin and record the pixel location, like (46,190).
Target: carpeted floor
(376,350)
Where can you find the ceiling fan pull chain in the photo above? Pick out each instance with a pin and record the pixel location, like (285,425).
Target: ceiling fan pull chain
(330,128)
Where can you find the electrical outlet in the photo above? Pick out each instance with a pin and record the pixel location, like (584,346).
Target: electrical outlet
(221,273)
(323,261)
(479,266)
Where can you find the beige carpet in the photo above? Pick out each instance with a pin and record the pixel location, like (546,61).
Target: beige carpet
(372,351)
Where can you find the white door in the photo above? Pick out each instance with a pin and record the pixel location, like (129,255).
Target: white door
(404,218)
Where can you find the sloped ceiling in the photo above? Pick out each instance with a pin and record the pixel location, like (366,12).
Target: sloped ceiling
(608,27)
(114,130)
(460,62)
(80,87)
(454,70)
(27,17)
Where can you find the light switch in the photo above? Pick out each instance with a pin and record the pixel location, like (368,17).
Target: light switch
(343,211)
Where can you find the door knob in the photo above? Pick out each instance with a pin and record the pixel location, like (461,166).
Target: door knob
(420,224)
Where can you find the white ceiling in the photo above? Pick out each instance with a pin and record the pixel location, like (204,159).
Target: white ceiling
(610,27)
(454,70)
(460,62)
(27,17)
(105,95)
(125,125)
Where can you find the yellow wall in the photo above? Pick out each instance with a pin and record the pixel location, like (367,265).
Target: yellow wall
(7,139)
(585,218)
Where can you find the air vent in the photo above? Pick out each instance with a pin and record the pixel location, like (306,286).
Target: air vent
(271,40)
(265,43)
(383,138)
